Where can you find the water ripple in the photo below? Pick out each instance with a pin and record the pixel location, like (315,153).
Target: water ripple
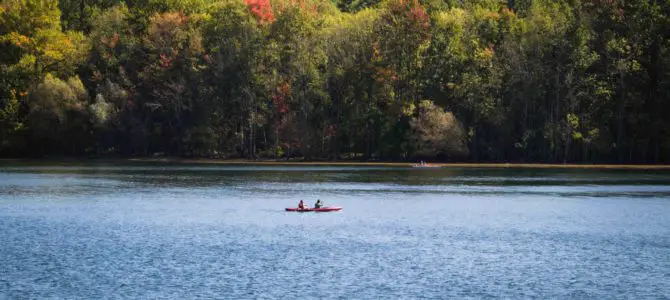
(93,232)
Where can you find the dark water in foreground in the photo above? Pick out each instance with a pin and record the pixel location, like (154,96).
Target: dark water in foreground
(185,232)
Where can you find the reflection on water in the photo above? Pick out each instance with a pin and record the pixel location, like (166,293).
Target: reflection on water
(202,231)
(339,180)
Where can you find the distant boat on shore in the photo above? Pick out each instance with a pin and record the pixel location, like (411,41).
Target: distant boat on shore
(423,164)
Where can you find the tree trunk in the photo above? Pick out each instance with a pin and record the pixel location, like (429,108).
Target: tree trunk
(252,136)
(567,149)
(274,150)
(620,121)
(82,6)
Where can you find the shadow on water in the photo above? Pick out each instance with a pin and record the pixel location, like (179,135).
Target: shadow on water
(338,180)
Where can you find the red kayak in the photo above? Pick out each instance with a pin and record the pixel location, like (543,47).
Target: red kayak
(323,209)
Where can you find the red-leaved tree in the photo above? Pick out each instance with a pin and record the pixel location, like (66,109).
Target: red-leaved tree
(262,10)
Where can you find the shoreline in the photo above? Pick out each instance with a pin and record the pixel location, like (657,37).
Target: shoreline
(410,164)
(270,162)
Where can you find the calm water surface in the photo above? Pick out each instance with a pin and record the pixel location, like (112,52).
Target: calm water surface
(196,231)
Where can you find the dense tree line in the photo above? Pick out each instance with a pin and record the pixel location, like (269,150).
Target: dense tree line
(467,80)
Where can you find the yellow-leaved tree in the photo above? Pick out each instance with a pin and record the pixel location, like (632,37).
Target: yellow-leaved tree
(33,46)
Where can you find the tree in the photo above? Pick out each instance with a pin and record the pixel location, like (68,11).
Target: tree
(234,36)
(541,80)
(57,113)
(436,131)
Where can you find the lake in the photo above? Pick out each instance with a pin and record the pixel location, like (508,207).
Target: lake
(176,231)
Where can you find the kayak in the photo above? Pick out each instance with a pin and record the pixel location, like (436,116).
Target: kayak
(323,209)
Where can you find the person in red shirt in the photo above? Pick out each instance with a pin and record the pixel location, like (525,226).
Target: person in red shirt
(301,205)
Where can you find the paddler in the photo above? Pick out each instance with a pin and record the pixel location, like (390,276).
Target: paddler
(301,205)
(318,203)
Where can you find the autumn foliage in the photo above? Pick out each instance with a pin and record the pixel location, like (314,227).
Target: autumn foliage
(110,42)
(486,80)
(279,98)
(412,11)
(165,60)
(306,6)
(262,10)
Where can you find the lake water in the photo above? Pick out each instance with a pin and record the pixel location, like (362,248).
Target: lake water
(153,231)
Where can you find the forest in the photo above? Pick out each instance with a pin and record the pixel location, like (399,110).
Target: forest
(552,81)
